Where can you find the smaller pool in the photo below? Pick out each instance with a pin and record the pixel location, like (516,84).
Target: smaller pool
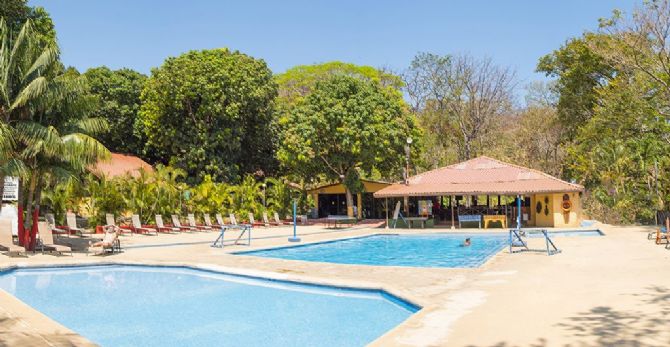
(566,233)
(434,250)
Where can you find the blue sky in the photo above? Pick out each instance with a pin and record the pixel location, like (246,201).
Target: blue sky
(140,34)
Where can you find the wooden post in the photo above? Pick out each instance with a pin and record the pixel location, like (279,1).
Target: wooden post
(386,207)
(451,202)
(359,201)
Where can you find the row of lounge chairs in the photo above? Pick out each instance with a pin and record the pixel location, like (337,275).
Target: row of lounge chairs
(176,225)
(46,241)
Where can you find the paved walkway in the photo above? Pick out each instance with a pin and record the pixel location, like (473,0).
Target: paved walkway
(601,291)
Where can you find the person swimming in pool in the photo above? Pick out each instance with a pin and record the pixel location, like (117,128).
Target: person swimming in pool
(467,242)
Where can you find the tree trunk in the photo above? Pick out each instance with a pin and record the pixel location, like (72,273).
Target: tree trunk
(30,199)
(2,187)
(36,214)
(350,202)
(21,227)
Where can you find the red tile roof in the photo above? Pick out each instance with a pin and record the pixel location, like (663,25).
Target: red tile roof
(121,164)
(479,176)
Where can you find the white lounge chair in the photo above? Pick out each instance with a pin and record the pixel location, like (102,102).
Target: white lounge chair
(160,226)
(138,228)
(47,240)
(208,221)
(177,223)
(219,219)
(109,242)
(71,221)
(191,222)
(6,241)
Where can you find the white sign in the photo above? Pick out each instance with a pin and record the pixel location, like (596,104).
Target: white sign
(11,192)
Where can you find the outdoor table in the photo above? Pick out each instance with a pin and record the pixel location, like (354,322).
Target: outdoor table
(409,221)
(341,219)
(244,229)
(495,218)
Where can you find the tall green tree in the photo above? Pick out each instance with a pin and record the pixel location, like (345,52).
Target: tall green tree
(209,112)
(117,98)
(579,72)
(344,126)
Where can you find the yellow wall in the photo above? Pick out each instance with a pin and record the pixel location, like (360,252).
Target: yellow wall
(370,187)
(557,217)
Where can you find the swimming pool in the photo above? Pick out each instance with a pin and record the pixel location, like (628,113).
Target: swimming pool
(127,305)
(434,250)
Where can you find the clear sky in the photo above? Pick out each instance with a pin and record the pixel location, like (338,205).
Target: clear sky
(140,34)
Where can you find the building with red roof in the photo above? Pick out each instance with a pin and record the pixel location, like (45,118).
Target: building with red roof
(472,186)
(121,165)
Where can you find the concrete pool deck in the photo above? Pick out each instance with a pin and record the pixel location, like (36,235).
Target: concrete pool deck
(601,291)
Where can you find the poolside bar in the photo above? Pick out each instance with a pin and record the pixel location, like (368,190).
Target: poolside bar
(485,192)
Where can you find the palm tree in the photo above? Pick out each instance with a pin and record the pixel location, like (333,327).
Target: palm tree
(42,106)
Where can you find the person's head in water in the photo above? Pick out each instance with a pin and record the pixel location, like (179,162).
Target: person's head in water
(467,242)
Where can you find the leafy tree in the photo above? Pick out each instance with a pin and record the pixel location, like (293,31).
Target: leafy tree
(209,112)
(117,94)
(579,71)
(297,82)
(345,125)
(17,12)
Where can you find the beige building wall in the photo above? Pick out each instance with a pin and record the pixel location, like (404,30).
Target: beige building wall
(551,212)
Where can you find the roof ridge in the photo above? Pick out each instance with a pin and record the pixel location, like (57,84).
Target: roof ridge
(505,164)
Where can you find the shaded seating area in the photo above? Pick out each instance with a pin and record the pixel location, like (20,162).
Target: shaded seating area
(485,192)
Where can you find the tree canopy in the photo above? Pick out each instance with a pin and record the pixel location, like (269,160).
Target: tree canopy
(344,125)
(117,98)
(209,112)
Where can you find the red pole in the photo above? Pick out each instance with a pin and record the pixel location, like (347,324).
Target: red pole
(33,231)
(21,230)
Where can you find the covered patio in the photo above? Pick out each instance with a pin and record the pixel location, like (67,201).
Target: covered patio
(484,192)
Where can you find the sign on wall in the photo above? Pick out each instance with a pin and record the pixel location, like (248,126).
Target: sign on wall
(11,192)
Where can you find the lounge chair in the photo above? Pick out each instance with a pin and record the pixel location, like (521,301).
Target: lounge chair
(267,221)
(208,221)
(51,220)
(279,221)
(219,219)
(6,241)
(47,240)
(160,226)
(71,220)
(111,225)
(138,228)
(233,220)
(253,222)
(109,242)
(191,222)
(662,233)
(177,224)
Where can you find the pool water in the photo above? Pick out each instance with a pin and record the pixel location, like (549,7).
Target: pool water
(176,306)
(434,250)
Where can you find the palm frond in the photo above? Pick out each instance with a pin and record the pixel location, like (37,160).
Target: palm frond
(49,56)
(33,90)
(92,125)
(81,150)
(38,139)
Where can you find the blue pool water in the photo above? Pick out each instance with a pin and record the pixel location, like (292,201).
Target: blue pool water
(435,250)
(176,306)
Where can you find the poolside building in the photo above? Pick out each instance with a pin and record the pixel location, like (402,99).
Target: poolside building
(330,199)
(120,165)
(487,188)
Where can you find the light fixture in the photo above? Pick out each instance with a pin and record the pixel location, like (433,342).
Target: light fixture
(409,140)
